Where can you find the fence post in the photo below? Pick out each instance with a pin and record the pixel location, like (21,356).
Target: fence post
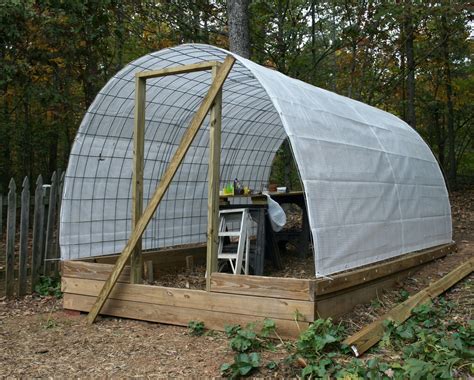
(24,224)
(38,223)
(57,250)
(48,252)
(10,252)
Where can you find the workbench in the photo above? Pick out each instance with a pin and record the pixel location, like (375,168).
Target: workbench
(268,241)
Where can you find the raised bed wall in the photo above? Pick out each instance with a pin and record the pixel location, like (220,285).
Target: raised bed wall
(291,303)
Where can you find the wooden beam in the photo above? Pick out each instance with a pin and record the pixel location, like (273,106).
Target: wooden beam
(278,287)
(166,179)
(213,185)
(175,256)
(208,65)
(92,271)
(376,271)
(371,334)
(178,315)
(337,304)
(136,261)
(195,299)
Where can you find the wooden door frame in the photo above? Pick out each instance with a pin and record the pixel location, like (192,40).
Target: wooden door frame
(140,219)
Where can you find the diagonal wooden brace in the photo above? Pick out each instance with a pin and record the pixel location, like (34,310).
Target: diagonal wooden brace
(170,172)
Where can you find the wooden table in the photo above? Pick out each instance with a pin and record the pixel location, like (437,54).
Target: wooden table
(267,239)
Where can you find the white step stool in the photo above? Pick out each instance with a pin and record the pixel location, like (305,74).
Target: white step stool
(241,256)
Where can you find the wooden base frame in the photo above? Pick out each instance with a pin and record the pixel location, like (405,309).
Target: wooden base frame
(239,299)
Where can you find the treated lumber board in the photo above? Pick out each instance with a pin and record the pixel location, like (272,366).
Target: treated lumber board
(373,272)
(177,315)
(196,299)
(278,287)
(213,185)
(173,256)
(371,334)
(208,65)
(136,261)
(166,179)
(337,304)
(92,271)
(101,271)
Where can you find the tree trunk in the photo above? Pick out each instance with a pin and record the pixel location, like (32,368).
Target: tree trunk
(119,34)
(449,104)
(239,35)
(5,153)
(26,152)
(411,116)
(353,67)
(313,41)
(440,139)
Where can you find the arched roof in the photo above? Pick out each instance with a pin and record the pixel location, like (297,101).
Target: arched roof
(373,188)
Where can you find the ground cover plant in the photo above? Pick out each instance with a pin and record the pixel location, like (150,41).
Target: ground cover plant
(40,340)
(429,345)
(49,286)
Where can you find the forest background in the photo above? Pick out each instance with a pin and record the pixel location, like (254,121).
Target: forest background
(412,58)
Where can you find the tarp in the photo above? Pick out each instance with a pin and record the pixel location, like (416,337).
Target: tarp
(373,188)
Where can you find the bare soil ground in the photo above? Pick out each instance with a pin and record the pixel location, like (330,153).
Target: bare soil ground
(39,339)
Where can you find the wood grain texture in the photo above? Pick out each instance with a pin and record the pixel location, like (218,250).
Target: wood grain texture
(337,304)
(213,185)
(136,261)
(373,272)
(92,271)
(371,334)
(165,257)
(38,222)
(177,315)
(24,224)
(277,287)
(195,299)
(208,65)
(166,179)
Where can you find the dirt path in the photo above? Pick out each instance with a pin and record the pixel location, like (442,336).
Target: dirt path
(39,339)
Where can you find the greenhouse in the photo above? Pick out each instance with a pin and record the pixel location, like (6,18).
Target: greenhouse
(373,188)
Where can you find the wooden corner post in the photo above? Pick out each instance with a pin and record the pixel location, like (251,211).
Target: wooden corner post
(136,261)
(170,171)
(213,186)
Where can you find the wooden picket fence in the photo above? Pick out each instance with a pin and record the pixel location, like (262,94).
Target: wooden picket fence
(29,235)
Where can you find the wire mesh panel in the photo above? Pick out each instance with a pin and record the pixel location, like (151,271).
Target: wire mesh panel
(96,214)
(373,188)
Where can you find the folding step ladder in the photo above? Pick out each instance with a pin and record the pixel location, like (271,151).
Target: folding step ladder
(241,254)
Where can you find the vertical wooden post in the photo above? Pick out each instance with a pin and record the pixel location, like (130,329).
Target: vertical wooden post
(10,253)
(136,260)
(57,253)
(38,218)
(48,250)
(163,185)
(24,224)
(213,186)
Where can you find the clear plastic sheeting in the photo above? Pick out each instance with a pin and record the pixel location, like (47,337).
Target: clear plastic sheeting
(373,188)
